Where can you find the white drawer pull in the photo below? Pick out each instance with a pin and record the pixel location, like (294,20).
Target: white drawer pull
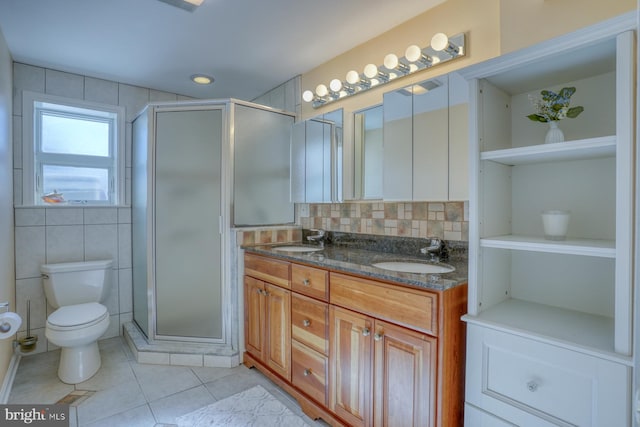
(532,386)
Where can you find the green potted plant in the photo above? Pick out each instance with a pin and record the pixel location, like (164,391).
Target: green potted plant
(552,107)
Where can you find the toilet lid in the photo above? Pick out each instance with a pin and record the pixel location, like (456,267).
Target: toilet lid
(77,314)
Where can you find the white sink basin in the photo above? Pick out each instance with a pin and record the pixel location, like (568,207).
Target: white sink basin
(414,267)
(297,248)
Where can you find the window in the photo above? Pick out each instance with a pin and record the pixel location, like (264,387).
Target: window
(73,148)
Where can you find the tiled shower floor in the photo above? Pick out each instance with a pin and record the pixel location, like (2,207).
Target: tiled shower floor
(130,394)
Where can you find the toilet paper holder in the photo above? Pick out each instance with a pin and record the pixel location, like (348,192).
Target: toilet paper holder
(4,326)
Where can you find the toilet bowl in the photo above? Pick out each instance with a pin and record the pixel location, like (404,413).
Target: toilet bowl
(76,329)
(75,289)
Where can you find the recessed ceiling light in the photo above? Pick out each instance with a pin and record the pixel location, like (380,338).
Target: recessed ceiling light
(201,79)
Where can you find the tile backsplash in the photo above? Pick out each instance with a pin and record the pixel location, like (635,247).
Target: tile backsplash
(446,220)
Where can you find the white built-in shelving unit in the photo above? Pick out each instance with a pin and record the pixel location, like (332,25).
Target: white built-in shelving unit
(574,294)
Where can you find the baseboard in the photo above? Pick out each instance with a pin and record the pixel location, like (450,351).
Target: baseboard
(9,377)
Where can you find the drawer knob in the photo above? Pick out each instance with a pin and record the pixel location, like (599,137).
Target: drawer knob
(366,332)
(532,386)
(378,336)
(306,282)
(306,322)
(306,372)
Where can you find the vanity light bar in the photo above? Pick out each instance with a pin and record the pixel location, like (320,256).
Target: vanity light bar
(442,49)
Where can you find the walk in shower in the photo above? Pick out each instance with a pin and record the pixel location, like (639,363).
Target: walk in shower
(183,203)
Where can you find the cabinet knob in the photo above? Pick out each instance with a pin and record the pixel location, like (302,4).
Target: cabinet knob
(306,322)
(532,386)
(366,332)
(306,282)
(306,372)
(378,336)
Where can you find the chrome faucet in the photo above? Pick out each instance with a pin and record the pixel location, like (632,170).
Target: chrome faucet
(318,237)
(437,249)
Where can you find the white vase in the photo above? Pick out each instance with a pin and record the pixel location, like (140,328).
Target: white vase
(554,134)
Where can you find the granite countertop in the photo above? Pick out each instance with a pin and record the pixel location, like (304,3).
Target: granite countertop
(356,260)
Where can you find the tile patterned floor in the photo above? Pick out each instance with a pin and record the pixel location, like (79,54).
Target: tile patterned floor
(131,394)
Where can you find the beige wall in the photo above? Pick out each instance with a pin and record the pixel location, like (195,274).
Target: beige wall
(527,22)
(493,27)
(7,276)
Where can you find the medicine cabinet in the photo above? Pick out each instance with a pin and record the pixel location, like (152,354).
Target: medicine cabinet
(368,157)
(316,159)
(426,141)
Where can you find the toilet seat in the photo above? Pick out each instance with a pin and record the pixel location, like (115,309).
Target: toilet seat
(77,316)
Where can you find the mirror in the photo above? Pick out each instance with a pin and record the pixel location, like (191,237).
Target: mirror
(416,142)
(316,159)
(368,153)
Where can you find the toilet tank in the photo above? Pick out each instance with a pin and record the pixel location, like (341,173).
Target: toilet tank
(76,282)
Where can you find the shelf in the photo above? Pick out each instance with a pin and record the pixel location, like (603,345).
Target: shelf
(569,150)
(591,333)
(586,247)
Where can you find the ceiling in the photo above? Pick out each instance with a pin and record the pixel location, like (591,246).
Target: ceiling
(248,46)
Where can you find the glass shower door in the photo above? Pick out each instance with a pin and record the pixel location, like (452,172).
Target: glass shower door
(187,232)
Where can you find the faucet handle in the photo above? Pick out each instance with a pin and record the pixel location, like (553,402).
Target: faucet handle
(437,249)
(319,231)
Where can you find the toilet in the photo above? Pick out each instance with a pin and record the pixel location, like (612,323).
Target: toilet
(75,290)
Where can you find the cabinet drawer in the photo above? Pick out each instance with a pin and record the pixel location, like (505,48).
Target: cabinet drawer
(560,386)
(310,281)
(309,371)
(474,417)
(309,322)
(405,306)
(267,269)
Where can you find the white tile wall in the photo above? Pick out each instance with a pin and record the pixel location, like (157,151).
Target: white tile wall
(285,97)
(63,234)
(102,91)
(59,234)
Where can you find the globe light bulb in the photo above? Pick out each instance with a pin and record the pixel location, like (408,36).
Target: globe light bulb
(321,90)
(307,96)
(413,53)
(439,42)
(370,71)
(353,77)
(335,85)
(391,61)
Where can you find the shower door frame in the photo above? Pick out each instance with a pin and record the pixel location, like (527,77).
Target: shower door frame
(223,221)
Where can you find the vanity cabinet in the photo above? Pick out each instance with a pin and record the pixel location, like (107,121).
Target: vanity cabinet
(551,320)
(268,317)
(310,331)
(364,352)
(381,374)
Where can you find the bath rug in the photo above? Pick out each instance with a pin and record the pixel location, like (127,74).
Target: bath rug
(254,407)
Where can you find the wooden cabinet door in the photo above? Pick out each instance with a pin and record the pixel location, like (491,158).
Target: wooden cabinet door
(351,368)
(278,329)
(254,317)
(405,377)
